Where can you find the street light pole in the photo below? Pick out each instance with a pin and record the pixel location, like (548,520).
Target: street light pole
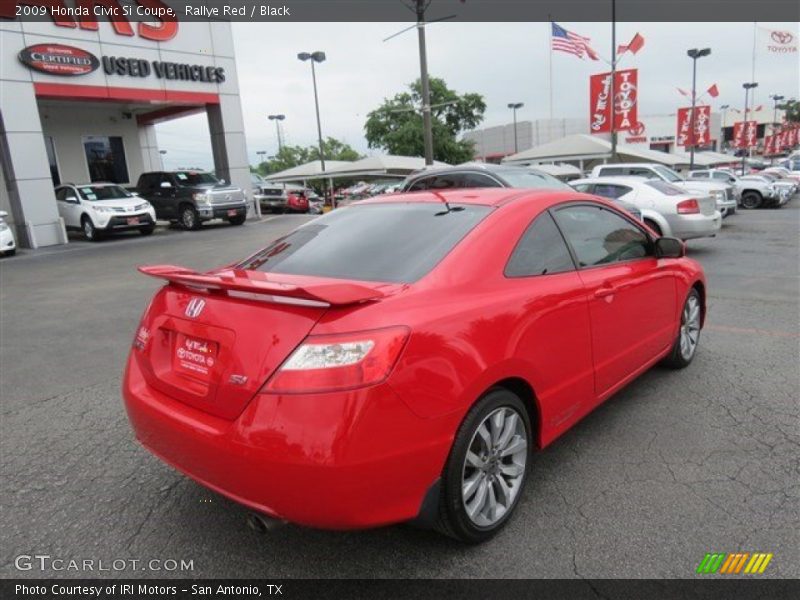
(426,89)
(514,106)
(747,87)
(776,98)
(277,119)
(694,54)
(724,108)
(317,57)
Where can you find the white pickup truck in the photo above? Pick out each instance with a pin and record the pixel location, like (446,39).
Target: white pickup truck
(723,194)
(754,190)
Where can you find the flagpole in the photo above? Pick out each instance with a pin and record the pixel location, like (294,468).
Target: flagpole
(613,76)
(550,68)
(753,78)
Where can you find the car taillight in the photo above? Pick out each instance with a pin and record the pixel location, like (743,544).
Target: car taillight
(325,363)
(688,207)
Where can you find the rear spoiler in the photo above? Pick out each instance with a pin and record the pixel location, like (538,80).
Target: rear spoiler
(334,294)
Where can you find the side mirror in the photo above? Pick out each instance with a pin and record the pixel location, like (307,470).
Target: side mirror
(3,214)
(73,199)
(165,185)
(670,247)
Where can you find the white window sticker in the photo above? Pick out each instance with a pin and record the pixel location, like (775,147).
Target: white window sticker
(181,176)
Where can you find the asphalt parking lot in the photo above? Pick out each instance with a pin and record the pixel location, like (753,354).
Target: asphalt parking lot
(677,465)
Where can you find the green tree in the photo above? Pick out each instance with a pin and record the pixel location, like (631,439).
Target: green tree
(396,126)
(792,108)
(292,156)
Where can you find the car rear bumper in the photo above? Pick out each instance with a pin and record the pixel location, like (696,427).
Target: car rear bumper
(688,227)
(336,461)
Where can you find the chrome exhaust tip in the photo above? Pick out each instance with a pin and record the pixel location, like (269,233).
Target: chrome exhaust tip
(262,523)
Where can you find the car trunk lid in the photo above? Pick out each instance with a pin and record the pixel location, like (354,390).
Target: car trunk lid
(212,340)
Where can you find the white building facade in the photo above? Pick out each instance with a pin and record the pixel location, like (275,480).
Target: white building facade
(79,102)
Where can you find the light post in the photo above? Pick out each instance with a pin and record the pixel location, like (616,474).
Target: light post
(694,54)
(776,98)
(161,157)
(261,154)
(514,106)
(724,108)
(317,57)
(277,119)
(747,87)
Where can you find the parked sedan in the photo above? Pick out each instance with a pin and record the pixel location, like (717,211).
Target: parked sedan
(671,211)
(99,209)
(400,359)
(8,245)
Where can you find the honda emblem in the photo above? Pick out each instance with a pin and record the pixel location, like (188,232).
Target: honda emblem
(194,308)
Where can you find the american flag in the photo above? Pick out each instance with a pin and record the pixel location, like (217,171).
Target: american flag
(571,43)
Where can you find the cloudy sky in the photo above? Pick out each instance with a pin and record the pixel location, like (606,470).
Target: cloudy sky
(505,62)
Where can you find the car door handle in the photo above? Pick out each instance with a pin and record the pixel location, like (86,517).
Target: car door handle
(604,292)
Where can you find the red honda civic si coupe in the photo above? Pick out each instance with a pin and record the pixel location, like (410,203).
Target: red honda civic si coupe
(399,359)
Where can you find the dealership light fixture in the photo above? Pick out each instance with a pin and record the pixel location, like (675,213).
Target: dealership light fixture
(694,54)
(747,87)
(316,57)
(277,119)
(514,106)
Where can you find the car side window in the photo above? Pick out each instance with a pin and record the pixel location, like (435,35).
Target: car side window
(599,236)
(540,251)
(61,194)
(584,188)
(446,182)
(609,171)
(611,190)
(640,172)
(478,180)
(419,185)
(700,175)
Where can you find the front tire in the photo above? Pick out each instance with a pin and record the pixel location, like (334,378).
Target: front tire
(89,230)
(147,230)
(190,220)
(752,200)
(487,468)
(685,346)
(237,220)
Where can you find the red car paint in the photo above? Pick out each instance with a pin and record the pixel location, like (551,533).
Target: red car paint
(366,455)
(297,202)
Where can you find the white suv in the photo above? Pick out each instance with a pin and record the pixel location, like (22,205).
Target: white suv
(723,194)
(100,208)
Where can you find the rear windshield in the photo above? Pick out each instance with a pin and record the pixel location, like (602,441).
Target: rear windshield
(103,192)
(397,243)
(665,188)
(532,180)
(193,178)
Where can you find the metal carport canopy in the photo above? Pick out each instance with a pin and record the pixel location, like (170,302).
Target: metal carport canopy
(584,147)
(309,170)
(387,165)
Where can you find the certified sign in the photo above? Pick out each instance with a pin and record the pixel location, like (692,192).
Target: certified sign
(58,59)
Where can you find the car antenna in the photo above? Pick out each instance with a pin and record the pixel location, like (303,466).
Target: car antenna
(442,197)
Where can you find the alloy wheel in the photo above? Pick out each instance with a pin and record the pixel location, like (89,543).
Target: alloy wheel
(690,327)
(188,218)
(494,466)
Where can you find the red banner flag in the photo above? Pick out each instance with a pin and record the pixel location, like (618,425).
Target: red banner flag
(769,145)
(636,44)
(744,134)
(625,101)
(702,127)
(713,91)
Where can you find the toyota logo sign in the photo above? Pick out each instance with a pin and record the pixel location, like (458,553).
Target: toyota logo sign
(782,37)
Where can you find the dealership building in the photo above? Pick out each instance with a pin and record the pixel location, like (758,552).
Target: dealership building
(79,103)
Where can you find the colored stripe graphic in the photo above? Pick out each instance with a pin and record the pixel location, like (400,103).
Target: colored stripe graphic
(734,563)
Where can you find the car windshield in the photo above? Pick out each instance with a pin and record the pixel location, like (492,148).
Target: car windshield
(103,192)
(532,179)
(667,173)
(665,188)
(195,178)
(393,242)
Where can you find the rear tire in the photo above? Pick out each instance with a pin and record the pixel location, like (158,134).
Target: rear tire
(685,346)
(487,468)
(654,226)
(237,220)
(752,200)
(190,220)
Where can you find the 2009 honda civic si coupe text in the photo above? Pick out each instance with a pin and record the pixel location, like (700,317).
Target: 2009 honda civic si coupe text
(400,359)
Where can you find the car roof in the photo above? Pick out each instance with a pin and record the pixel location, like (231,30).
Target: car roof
(620,179)
(479,196)
(472,166)
(92,184)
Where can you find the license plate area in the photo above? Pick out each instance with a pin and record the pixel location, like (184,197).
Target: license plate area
(232,212)
(194,357)
(133,220)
